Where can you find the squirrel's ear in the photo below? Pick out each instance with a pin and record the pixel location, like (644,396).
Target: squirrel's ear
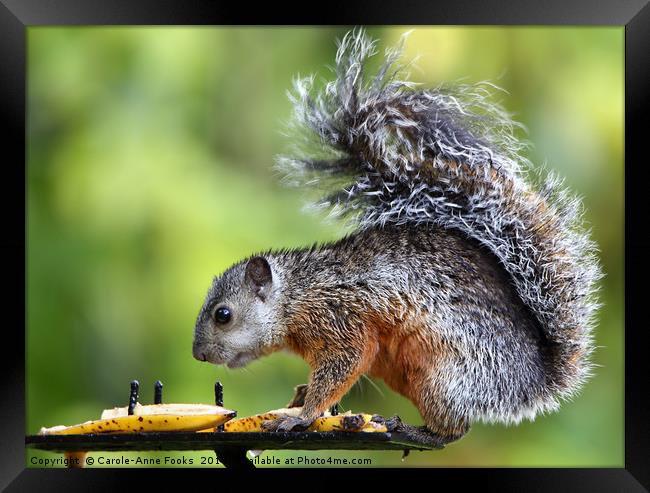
(258,276)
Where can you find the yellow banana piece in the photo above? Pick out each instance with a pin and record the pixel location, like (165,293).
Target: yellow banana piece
(254,423)
(159,417)
(341,422)
(76,459)
(347,422)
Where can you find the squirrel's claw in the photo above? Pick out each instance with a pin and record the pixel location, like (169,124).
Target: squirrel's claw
(393,423)
(417,433)
(287,423)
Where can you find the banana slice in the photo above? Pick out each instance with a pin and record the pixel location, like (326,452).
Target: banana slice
(157,409)
(254,423)
(347,422)
(327,422)
(159,417)
(76,460)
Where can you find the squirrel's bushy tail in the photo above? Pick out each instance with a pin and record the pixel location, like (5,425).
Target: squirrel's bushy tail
(390,152)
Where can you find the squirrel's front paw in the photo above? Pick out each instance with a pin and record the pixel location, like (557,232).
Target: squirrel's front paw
(287,423)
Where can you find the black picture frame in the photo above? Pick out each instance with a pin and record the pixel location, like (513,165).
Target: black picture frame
(17,15)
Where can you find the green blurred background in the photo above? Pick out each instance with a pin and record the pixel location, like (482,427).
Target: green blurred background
(149,172)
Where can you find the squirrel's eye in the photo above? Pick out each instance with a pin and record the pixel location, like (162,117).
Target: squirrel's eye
(222,315)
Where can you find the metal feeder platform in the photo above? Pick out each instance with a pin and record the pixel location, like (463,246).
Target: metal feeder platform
(231,447)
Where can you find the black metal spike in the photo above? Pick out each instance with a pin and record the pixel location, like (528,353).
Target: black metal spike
(218,394)
(157,392)
(133,398)
(218,399)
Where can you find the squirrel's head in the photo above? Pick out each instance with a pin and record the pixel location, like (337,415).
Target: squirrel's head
(238,321)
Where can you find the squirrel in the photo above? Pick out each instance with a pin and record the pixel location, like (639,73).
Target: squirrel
(465,287)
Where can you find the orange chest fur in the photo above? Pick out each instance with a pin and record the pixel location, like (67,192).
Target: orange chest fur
(406,354)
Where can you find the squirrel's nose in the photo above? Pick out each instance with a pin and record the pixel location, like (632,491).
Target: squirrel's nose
(198,353)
